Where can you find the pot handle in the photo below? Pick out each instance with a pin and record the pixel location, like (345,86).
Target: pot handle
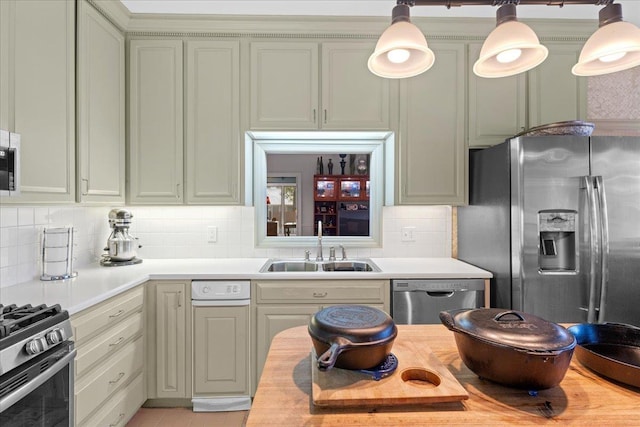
(327,359)
(499,316)
(447,320)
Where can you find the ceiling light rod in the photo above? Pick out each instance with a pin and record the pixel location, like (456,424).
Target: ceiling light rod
(457,3)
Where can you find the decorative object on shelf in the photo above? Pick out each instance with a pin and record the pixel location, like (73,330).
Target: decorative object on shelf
(342,162)
(362,167)
(511,48)
(318,172)
(330,167)
(321,166)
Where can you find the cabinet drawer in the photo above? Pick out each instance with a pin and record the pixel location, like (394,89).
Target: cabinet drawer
(92,321)
(93,390)
(320,291)
(121,407)
(107,343)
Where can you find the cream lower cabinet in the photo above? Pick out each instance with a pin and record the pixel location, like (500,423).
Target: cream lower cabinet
(37,95)
(221,345)
(109,366)
(433,155)
(169,339)
(281,305)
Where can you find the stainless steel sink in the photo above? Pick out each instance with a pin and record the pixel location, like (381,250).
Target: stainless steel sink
(360,265)
(289,265)
(298,265)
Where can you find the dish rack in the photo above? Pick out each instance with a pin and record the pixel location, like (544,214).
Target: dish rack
(57,253)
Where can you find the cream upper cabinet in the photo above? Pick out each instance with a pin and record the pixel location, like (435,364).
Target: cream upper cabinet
(432,161)
(212,113)
(37,82)
(352,96)
(155,122)
(101,108)
(554,93)
(497,107)
(285,87)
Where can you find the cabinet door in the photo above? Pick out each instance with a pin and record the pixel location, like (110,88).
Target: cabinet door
(221,350)
(155,122)
(213,122)
(432,163)
(171,369)
(352,96)
(38,95)
(101,105)
(497,107)
(554,93)
(284,85)
(274,319)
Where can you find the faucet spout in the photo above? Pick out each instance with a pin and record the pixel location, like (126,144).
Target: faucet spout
(319,247)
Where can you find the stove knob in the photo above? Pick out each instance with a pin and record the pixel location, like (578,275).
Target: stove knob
(55,336)
(36,346)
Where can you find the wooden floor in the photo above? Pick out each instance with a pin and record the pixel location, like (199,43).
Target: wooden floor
(185,417)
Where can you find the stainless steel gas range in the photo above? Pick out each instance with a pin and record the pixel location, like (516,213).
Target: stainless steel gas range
(36,366)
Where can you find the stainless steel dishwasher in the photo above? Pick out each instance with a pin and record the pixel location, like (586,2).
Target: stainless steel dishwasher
(419,301)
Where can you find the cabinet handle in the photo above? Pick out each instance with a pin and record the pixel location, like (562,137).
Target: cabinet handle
(319,294)
(325,116)
(178,191)
(86,186)
(314,115)
(179,298)
(118,314)
(113,344)
(120,418)
(120,375)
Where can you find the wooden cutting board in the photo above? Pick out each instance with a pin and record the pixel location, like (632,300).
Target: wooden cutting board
(420,378)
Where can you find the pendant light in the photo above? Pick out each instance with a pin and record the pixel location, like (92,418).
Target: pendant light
(615,46)
(511,48)
(402,49)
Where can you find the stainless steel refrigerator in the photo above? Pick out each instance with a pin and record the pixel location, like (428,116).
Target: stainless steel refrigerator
(557,221)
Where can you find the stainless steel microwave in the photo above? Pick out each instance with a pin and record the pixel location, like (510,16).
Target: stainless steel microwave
(9,163)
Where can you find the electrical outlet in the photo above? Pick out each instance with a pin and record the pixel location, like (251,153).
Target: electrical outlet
(212,234)
(408,234)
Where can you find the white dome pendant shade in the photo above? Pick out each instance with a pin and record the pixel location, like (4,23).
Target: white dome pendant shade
(511,48)
(615,46)
(401,50)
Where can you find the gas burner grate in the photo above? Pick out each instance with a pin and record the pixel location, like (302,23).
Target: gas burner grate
(14,318)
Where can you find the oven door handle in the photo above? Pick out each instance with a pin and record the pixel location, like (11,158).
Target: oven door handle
(23,391)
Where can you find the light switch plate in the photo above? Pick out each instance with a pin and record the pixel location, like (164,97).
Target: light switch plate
(408,234)
(212,234)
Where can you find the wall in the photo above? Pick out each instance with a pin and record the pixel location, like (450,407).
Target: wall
(180,232)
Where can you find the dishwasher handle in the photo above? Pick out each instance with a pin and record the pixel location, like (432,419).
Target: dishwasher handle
(442,294)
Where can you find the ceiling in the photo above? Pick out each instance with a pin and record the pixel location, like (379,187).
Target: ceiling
(630,8)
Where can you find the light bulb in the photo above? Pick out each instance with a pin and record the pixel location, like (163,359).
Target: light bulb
(508,56)
(613,57)
(398,56)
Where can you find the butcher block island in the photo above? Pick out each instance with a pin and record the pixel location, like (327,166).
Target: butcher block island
(284,396)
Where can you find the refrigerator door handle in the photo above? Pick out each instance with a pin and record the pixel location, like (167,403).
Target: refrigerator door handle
(604,246)
(594,246)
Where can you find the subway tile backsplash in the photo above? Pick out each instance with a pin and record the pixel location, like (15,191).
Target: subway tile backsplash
(181,232)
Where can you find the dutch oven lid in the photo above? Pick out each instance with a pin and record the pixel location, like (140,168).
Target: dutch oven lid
(513,328)
(357,323)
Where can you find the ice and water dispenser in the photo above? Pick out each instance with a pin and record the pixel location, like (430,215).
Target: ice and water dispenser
(557,251)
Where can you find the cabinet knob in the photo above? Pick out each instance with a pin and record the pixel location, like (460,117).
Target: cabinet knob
(319,294)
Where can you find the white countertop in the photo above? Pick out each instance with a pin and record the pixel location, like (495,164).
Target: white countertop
(95,283)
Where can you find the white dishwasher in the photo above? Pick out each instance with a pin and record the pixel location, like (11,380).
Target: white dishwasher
(221,345)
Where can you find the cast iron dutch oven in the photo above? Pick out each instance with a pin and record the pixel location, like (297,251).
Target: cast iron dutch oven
(352,336)
(510,347)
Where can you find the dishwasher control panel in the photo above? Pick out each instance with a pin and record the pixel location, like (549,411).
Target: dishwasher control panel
(220,290)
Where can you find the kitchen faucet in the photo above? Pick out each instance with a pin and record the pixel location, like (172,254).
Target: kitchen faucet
(319,248)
